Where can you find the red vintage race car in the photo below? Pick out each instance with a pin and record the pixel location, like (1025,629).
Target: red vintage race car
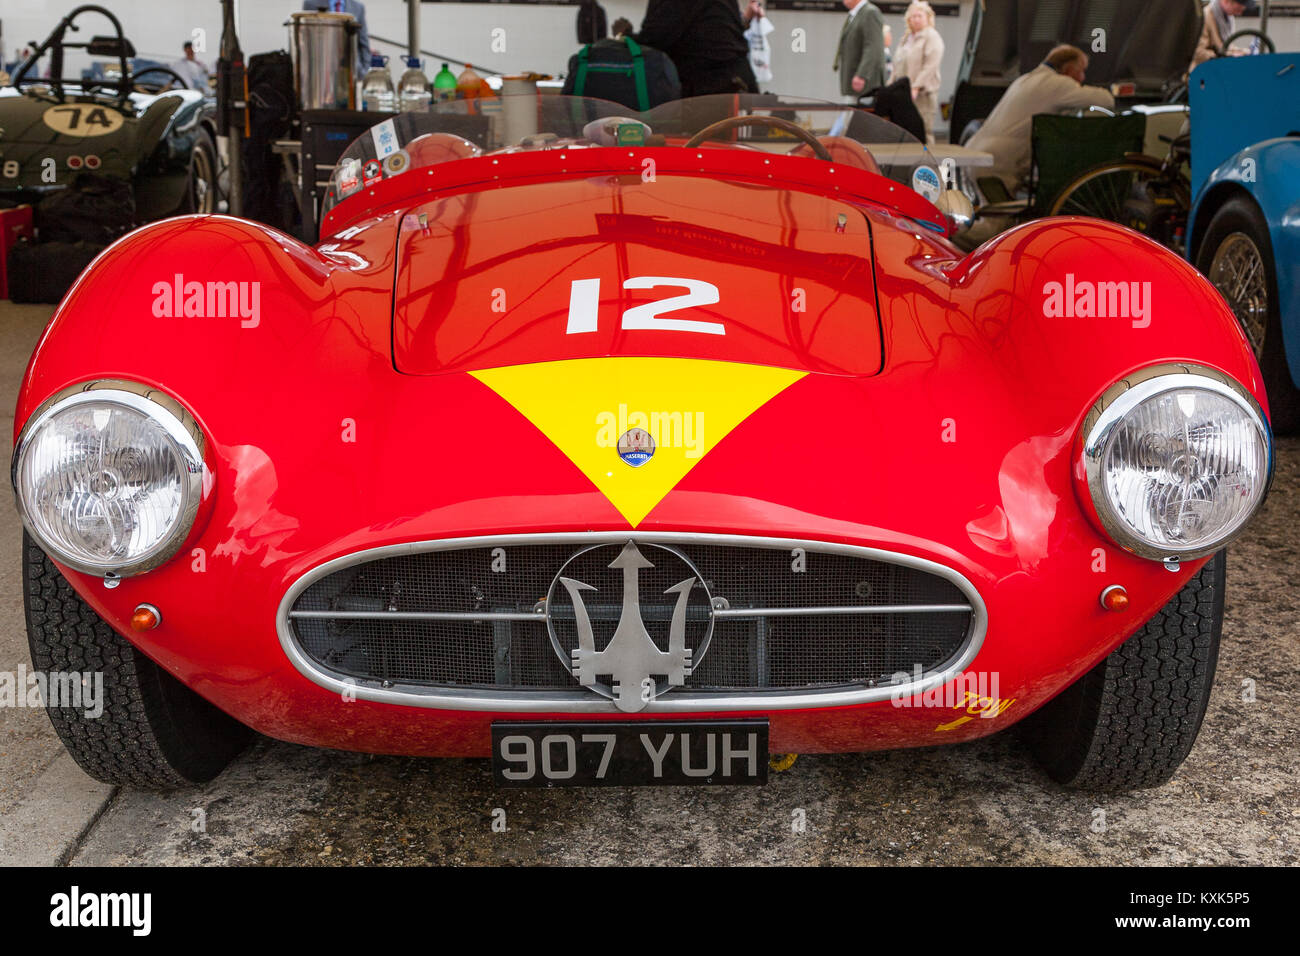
(633,449)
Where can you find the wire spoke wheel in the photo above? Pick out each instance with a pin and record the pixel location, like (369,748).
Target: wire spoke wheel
(1236,255)
(1101,193)
(1237,271)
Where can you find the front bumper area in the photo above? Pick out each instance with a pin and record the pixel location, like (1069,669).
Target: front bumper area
(1032,635)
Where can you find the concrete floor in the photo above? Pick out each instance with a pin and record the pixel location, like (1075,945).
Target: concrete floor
(1236,799)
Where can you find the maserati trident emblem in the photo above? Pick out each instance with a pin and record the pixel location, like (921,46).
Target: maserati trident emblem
(631,668)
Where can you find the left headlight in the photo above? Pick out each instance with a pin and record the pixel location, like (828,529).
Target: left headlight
(1177,459)
(109,477)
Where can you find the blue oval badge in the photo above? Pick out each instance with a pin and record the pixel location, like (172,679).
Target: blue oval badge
(636,447)
(926,182)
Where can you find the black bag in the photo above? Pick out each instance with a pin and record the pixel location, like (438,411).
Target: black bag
(622,72)
(272,111)
(93,208)
(592,25)
(894,103)
(271,101)
(45,271)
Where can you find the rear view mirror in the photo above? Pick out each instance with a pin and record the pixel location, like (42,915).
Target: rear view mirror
(110,46)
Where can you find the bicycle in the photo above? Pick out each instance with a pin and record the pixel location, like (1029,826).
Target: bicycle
(1146,193)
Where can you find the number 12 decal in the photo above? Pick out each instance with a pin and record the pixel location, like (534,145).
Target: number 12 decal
(584,302)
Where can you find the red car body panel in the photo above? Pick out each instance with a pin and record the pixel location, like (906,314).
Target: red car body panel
(951,437)
(763,244)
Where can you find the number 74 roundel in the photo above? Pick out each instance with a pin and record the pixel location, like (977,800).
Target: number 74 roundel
(82,119)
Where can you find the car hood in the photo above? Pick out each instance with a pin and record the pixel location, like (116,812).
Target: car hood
(1151,41)
(668,266)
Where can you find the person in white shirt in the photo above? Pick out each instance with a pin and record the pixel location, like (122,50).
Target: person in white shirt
(193,72)
(919,56)
(757,27)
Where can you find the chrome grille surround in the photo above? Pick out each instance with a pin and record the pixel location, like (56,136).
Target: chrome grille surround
(580,700)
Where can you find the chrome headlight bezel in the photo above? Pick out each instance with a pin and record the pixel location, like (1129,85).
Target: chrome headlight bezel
(1111,410)
(180,427)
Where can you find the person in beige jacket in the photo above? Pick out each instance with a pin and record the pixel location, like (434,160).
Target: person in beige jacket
(1220,23)
(1054,86)
(919,56)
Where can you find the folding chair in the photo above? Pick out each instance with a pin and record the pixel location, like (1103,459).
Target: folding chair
(1063,147)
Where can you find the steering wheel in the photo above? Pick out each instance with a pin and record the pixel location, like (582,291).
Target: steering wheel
(1263,38)
(766,122)
(156,69)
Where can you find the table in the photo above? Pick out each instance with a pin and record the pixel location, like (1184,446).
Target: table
(893,154)
(911,154)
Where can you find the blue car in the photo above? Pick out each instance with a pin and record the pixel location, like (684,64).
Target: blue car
(1244,230)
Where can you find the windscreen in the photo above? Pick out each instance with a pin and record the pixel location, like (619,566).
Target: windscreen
(463,129)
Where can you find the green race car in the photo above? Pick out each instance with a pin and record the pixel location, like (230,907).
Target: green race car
(127,125)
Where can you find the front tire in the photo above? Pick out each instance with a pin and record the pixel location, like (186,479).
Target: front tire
(1130,721)
(154,733)
(1236,255)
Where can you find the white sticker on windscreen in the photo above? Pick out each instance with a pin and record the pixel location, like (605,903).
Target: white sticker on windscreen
(385,137)
(926,182)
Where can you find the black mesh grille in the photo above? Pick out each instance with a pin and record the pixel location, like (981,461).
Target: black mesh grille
(773,652)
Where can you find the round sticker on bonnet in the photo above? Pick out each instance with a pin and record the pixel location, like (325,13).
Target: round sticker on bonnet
(397,162)
(83,119)
(636,447)
(926,182)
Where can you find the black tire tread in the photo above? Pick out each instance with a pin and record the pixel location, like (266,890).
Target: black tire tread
(154,733)
(1131,721)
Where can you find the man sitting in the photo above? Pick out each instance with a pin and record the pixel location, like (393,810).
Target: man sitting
(1219,23)
(1054,86)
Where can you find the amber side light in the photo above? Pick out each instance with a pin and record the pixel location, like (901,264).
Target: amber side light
(145,618)
(1114,598)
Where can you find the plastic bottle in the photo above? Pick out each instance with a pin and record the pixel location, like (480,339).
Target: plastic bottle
(413,89)
(377,87)
(444,85)
(468,84)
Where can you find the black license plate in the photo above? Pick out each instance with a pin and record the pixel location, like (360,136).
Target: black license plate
(630,754)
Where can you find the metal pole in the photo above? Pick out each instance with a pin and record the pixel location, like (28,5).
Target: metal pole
(1263,17)
(413,28)
(231,104)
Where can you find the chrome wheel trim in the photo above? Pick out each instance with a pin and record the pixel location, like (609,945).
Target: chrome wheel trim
(1237,271)
(204,176)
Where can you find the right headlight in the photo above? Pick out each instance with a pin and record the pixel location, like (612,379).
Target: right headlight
(1177,459)
(110,477)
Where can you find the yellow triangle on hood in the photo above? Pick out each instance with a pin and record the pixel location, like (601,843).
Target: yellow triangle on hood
(585,406)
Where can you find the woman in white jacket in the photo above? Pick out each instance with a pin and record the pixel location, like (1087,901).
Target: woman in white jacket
(919,55)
